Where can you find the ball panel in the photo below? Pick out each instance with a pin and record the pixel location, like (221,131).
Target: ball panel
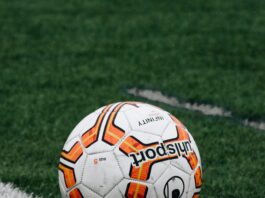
(195,148)
(87,192)
(68,175)
(91,135)
(132,188)
(75,193)
(72,150)
(196,195)
(62,186)
(182,164)
(109,128)
(173,183)
(170,132)
(101,172)
(72,162)
(198,177)
(86,123)
(194,191)
(115,128)
(147,119)
(115,193)
(71,174)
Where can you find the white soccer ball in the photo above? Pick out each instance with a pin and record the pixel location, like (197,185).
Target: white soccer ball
(132,150)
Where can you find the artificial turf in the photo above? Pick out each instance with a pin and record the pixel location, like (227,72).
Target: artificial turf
(60,60)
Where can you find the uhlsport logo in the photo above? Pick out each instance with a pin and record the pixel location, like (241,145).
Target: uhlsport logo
(161,151)
(144,156)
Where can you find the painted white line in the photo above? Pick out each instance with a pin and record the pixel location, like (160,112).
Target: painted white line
(205,109)
(159,97)
(9,191)
(254,124)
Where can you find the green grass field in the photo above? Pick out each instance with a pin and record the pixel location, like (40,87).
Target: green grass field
(60,60)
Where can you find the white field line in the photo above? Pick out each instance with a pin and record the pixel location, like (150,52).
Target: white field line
(254,124)
(159,97)
(9,191)
(205,109)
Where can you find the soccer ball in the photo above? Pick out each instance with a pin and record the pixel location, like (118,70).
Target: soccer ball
(132,150)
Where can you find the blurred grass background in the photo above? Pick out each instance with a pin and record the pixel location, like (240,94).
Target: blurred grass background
(61,60)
